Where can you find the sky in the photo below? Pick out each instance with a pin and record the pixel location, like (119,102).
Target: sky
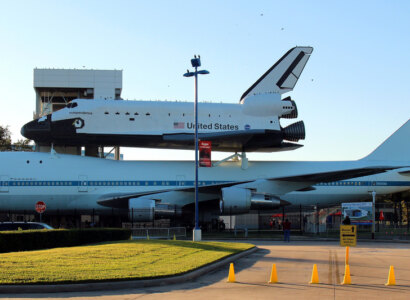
(353,93)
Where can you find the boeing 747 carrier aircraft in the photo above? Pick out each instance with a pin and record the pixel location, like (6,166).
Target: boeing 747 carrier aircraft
(67,182)
(251,125)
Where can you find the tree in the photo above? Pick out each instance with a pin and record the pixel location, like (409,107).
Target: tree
(22,145)
(5,138)
(6,145)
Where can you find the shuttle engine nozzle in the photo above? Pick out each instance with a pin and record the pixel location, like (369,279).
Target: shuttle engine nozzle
(294,132)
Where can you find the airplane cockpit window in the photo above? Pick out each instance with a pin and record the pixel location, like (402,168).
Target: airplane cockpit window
(117,113)
(72,105)
(147,114)
(107,113)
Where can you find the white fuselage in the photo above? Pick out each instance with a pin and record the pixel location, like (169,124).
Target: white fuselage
(68,182)
(162,117)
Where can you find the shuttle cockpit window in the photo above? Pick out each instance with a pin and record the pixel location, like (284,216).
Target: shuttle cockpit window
(72,105)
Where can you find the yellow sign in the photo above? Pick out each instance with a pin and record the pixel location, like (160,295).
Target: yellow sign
(348,235)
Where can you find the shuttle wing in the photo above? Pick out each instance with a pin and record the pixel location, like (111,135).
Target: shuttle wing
(283,75)
(121,200)
(247,140)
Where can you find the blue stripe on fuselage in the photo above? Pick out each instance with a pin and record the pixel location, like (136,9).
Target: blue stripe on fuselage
(62,183)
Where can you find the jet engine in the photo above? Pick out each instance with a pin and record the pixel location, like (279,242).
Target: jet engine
(237,200)
(143,209)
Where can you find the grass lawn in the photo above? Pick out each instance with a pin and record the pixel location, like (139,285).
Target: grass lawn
(112,261)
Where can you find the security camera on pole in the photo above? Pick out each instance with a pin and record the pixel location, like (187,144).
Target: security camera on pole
(196,62)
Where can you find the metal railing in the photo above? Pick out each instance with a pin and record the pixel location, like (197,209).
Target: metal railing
(158,233)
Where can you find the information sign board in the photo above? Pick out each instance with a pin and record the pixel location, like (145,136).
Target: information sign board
(360,213)
(348,235)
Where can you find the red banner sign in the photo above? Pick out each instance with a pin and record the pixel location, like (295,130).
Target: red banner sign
(205,148)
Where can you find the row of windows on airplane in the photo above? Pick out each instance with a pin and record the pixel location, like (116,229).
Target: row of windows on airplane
(103,183)
(344,183)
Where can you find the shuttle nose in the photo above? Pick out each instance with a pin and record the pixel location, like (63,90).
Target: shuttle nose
(38,130)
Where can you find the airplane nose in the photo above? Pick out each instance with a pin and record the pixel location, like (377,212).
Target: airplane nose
(38,130)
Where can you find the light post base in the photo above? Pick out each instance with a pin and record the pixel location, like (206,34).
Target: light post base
(197,235)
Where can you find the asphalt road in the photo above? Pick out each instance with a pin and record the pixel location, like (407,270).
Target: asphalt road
(369,267)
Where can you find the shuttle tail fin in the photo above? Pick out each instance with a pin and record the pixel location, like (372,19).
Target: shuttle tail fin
(396,147)
(283,75)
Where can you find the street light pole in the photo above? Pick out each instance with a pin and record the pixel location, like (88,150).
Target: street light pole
(196,62)
(373,214)
(196,152)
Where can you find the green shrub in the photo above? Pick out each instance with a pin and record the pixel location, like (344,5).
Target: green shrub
(11,241)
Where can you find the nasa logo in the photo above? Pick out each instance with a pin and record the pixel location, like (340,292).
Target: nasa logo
(78,123)
(247,127)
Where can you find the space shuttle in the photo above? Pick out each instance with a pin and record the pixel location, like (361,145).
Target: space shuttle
(253,124)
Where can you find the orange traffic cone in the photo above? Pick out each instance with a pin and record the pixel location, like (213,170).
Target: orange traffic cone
(273,275)
(231,276)
(315,275)
(346,278)
(392,279)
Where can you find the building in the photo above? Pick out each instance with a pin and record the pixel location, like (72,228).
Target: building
(55,88)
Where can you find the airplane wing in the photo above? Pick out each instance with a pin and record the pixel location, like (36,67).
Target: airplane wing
(337,175)
(283,75)
(121,200)
(405,172)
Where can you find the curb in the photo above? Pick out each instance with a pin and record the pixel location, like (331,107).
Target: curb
(306,240)
(121,285)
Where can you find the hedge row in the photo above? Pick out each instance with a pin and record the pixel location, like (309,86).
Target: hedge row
(26,240)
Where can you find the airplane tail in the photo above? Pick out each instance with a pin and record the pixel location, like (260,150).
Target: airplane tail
(283,75)
(396,147)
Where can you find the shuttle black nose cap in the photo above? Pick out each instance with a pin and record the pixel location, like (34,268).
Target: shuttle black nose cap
(38,130)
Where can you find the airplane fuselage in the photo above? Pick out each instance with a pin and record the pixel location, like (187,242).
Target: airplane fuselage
(67,182)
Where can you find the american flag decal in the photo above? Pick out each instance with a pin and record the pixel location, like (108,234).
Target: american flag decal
(179,125)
